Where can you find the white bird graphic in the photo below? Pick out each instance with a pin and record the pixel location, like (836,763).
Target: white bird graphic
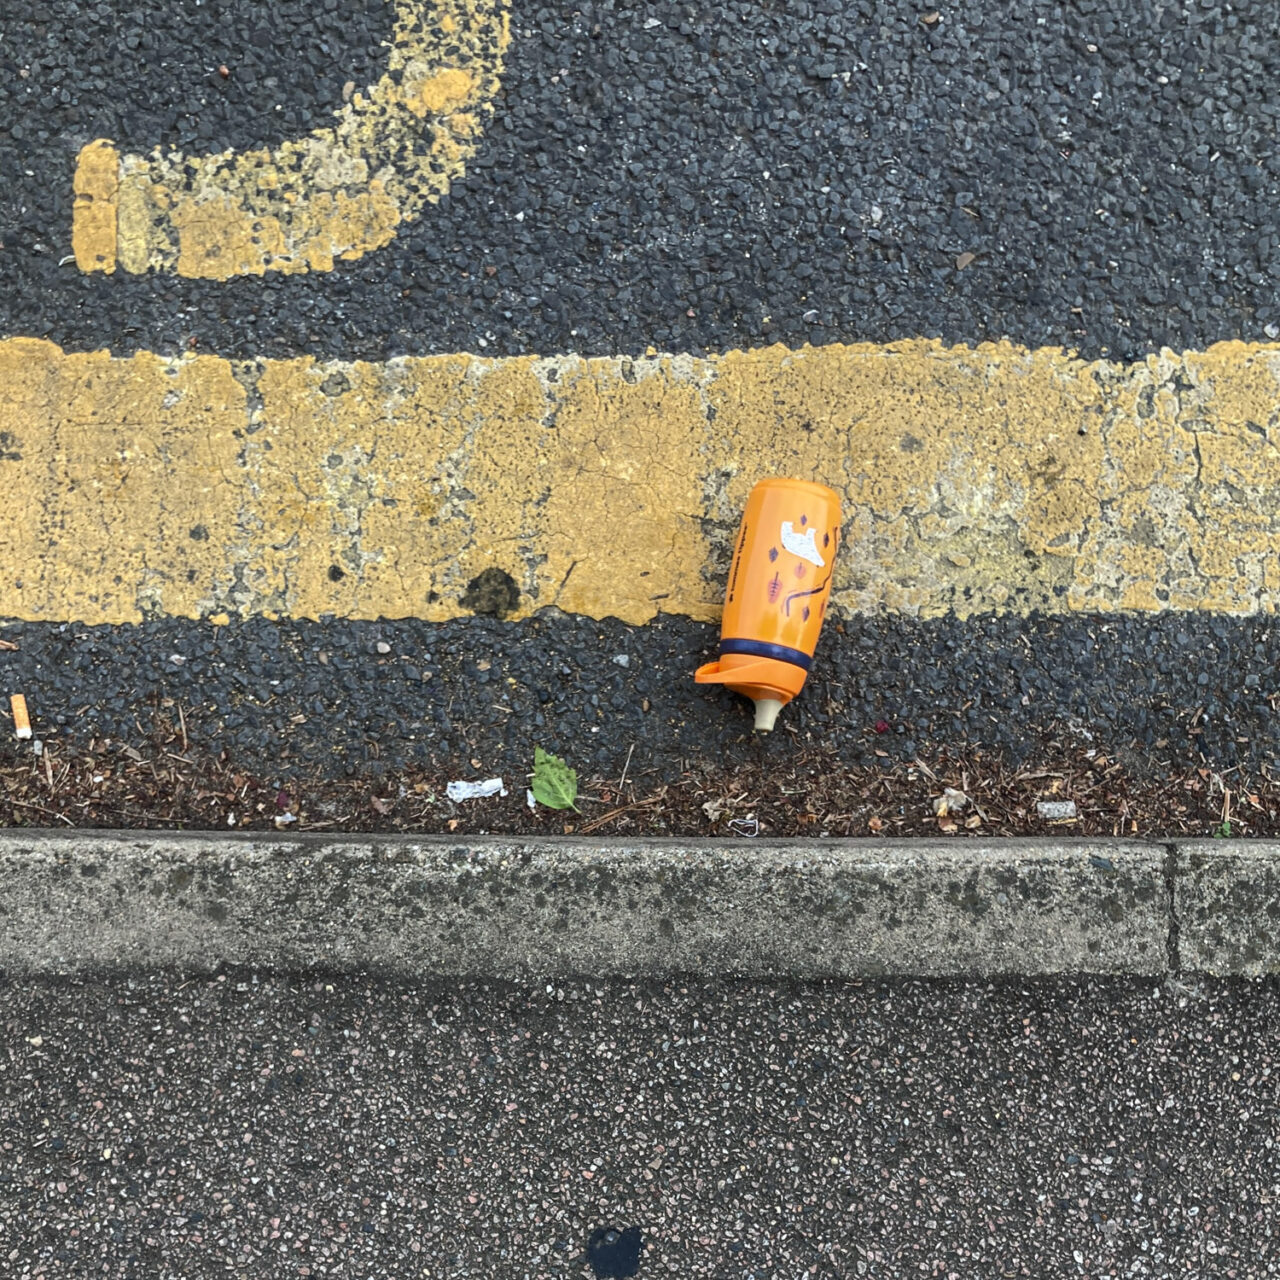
(803,545)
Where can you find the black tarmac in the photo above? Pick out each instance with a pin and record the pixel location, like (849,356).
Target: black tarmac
(691,178)
(695,177)
(335,699)
(166,1128)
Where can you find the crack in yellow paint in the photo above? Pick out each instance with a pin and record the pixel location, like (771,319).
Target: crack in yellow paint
(974,480)
(336,194)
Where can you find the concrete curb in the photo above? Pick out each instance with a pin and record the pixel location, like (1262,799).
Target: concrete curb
(1226,902)
(507,907)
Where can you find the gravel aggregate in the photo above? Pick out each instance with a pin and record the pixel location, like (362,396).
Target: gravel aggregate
(251,1125)
(1100,175)
(1163,692)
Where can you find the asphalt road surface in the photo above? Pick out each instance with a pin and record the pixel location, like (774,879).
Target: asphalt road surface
(694,177)
(1100,176)
(263,1126)
(306,698)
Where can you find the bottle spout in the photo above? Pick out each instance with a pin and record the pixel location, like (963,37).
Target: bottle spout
(755,680)
(767,714)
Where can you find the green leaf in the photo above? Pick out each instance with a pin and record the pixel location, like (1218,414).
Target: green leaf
(554,783)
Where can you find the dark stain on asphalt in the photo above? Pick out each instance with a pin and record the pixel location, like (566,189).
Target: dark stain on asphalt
(613,1253)
(492,592)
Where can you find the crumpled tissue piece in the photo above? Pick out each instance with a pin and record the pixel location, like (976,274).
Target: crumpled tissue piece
(457,791)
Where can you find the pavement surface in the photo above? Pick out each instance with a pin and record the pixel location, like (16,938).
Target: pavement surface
(251,1125)
(1063,538)
(693,178)
(289,699)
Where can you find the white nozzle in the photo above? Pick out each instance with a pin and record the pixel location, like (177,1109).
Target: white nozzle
(767,714)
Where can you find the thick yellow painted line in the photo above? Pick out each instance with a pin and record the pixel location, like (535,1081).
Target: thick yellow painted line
(991,478)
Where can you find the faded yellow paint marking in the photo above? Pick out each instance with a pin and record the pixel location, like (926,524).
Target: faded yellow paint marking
(96,186)
(338,193)
(445,91)
(974,480)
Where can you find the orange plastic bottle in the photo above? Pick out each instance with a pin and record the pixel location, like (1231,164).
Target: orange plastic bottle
(778,586)
(778,589)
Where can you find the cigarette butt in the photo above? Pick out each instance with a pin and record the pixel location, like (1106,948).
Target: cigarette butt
(21,720)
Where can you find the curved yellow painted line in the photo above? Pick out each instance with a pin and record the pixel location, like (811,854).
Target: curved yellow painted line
(336,194)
